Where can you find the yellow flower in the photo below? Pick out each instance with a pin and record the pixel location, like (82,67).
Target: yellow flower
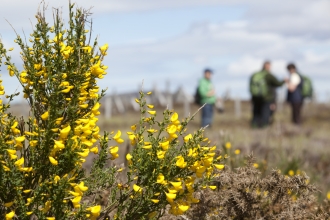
(58,144)
(133,127)
(27,191)
(117,137)
(83,105)
(152,112)
(45,116)
(237,151)
(65,132)
(10,215)
(104,48)
(136,188)
(177,185)
(56,179)
(84,153)
(82,187)
(29,213)
(57,38)
(53,161)
(147,147)
(5,168)
(151,130)
(213,187)
(155,201)
(161,179)
(328,195)
(8,204)
(114,149)
(19,162)
(12,156)
(171,129)
(180,162)
(255,165)
(219,166)
(174,117)
(150,106)
(228,145)
(95,150)
(291,173)
(183,207)
(95,210)
(164,145)
(22,77)
(10,49)
(11,151)
(161,154)
(129,157)
(33,143)
(20,139)
(187,138)
(170,196)
(76,201)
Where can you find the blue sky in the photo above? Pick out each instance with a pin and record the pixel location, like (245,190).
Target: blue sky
(159,41)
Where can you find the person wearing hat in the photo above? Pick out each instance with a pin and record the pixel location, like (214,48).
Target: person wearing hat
(207,97)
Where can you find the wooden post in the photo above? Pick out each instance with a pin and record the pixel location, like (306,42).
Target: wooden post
(186,105)
(238,107)
(135,105)
(108,107)
(119,104)
(169,98)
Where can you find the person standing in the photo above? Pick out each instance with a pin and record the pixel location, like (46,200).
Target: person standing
(207,97)
(263,86)
(295,96)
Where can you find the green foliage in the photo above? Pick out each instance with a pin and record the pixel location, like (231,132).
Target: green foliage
(41,174)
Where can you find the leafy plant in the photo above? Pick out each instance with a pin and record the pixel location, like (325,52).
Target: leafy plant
(41,174)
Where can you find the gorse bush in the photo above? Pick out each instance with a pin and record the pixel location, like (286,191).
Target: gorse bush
(244,194)
(41,174)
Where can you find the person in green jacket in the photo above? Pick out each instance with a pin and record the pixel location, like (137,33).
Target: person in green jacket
(263,106)
(207,97)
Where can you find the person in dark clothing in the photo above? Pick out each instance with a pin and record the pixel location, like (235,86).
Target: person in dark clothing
(264,105)
(295,97)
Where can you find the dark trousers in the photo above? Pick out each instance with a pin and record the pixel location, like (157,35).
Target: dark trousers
(261,113)
(296,112)
(207,115)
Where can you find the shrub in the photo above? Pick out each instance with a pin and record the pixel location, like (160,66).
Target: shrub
(244,194)
(41,174)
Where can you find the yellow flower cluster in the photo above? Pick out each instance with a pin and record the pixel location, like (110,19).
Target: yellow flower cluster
(41,158)
(178,171)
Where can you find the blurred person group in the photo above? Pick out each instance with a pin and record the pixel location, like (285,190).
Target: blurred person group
(263,86)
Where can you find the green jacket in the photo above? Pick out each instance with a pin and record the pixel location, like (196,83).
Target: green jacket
(204,87)
(272,83)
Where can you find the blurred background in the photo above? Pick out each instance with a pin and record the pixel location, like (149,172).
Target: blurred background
(173,41)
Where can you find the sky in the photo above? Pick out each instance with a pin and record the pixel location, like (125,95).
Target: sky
(174,40)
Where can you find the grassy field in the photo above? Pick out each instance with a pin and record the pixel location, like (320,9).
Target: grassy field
(281,146)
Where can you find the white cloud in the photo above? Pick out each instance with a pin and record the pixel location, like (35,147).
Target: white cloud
(315,58)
